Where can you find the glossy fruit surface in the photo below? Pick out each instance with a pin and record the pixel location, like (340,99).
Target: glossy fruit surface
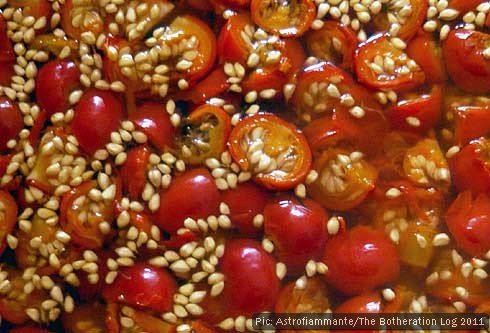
(360,259)
(56,80)
(192,194)
(103,106)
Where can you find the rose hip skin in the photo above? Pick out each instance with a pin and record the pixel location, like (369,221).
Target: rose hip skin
(245,202)
(360,259)
(192,194)
(152,119)
(251,271)
(55,81)
(97,114)
(143,286)
(297,231)
(10,121)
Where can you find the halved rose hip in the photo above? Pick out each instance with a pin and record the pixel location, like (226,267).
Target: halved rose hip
(273,150)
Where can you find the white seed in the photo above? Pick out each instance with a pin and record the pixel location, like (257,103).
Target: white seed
(444,32)
(224,209)
(421,240)
(301,282)
(217,288)
(268,93)
(432,278)
(33,314)
(321,268)
(227,324)
(333,225)
(288,91)
(441,239)
(267,245)
(398,43)
(388,294)
(12,241)
(459,306)
(75,96)
(456,258)
(394,235)
(281,270)
(180,266)
(183,328)
(393,192)
(215,278)
(413,121)
(480,274)
(466,269)
(448,14)
(486,53)
(300,191)
(357,112)
(310,268)
(197,296)
(452,151)
(430,26)
(110,277)
(240,323)
(462,292)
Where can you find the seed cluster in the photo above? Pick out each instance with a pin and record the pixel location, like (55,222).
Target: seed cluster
(425,169)
(357,14)
(320,94)
(159,176)
(227,174)
(333,175)
(240,324)
(260,162)
(385,65)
